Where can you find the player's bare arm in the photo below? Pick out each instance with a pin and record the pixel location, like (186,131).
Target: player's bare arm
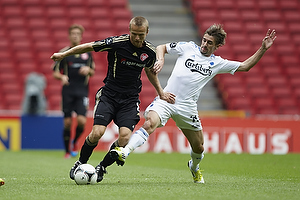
(167,96)
(86,71)
(161,50)
(79,49)
(266,44)
(63,78)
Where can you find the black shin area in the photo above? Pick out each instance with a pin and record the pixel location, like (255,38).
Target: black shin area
(66,138)
(107,160)
(86,150)
(79,131)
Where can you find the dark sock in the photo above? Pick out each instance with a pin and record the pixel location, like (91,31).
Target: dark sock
(86,150)
(66,138)
(107,160)
(79,131)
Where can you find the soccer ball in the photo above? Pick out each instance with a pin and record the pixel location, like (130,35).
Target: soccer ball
(85,174)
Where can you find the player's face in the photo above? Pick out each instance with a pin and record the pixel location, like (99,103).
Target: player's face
(75,36)
(138,35)
(208,45)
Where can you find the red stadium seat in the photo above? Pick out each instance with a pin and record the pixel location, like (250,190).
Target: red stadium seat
(241,103)
(123,4)
(228,4)
(277,81)
(254,81)
(271,16)
(255,27)
(35,11)
(264,103)
(281,92)
(267,5)
(228,15)
(291,16)
(31,2)
(37,24)
(246,5)
(289,5)
(97,3)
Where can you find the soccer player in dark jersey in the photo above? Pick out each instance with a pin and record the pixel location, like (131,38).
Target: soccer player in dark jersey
(118,99)
(74,72)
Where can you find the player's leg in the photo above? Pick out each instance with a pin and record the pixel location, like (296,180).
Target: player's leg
(67,107)
(126,117)
(81,121)
(102,117)
(138,138)
(67,135)
(195,139)
(81,106)
(89,145)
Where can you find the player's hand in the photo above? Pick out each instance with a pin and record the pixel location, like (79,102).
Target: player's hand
(158,66)
(168,96)
(84,71)
(65,80)
(269,39)
(57,56)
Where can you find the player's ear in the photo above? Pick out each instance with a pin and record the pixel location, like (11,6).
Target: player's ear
(217,46)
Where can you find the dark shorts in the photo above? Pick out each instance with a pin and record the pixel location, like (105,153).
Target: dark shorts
(76,103)
(123,110)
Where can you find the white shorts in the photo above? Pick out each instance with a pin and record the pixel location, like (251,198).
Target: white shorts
(184,115)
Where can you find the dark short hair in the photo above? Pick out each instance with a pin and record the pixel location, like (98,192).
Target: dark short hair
(74,26)
(217,31)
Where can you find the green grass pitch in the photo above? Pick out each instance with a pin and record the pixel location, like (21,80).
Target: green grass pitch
(45,175)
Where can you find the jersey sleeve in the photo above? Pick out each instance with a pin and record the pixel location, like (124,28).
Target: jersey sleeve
(229,66)
(58,65)
(177,47)
(91,60)
(109,43)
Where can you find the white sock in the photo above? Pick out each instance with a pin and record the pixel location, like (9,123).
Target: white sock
(137,139)
(196,158)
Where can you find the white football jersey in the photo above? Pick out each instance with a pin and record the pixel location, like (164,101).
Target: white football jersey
(193,70)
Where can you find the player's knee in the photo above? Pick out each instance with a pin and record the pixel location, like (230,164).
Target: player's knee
(150,125)
(81,120)
(67,123)
(124,136)
(96,134)
(198,148)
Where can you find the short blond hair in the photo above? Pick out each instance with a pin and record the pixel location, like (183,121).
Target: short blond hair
(139,21)
(74,26)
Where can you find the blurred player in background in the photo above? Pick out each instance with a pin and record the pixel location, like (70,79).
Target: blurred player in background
(74,72)
(195,66)
(118,99)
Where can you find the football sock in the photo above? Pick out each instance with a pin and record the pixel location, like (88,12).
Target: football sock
(107,160)
(196,158)
(86,150)
(137,139)
(79,130)
(66,137)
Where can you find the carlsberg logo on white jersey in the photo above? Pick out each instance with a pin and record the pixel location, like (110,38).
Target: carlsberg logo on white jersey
(196,67)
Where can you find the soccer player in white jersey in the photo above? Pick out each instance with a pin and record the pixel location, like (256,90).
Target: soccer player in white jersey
(195,66)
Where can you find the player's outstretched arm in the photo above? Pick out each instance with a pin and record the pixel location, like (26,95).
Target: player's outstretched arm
(161,50)
(79,49)
(266,44)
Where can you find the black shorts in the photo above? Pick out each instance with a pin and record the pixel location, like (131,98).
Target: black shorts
(76,103)
(122,109)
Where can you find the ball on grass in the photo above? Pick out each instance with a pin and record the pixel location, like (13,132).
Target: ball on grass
(1,182)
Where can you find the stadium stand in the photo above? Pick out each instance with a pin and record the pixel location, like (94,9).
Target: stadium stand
(271,87)
(32,30)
